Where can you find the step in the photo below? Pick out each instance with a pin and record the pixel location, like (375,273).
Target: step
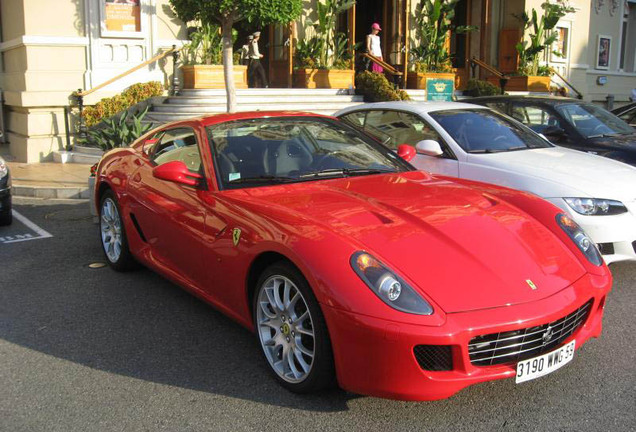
(255,99)
(166,117)
(288,106)
(76,157)
(266,92)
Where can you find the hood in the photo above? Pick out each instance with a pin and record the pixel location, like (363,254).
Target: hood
(464,250)
(573,173)
(618,142)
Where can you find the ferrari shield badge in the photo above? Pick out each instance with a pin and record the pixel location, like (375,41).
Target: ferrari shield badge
(236,236)
(531,284)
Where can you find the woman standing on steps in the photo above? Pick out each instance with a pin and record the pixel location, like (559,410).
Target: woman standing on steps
(373,47)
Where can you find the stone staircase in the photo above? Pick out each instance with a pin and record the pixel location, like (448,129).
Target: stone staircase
(192,103)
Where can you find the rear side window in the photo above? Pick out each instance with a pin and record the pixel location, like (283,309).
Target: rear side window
(355,119)
(178,144)
(536,118)
(395,127)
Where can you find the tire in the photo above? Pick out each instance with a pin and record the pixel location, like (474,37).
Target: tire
(277,334)
(6,218)
(112,234)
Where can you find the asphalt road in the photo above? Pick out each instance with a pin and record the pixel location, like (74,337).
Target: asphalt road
(85,349)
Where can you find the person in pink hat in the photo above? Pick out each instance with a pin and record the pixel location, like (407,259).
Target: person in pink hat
(373,46)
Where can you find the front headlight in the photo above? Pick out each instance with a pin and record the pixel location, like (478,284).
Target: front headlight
(387,285)
(3,168)
(578,236)
(596,206)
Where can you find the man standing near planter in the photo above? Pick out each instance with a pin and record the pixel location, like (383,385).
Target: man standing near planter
(255,69)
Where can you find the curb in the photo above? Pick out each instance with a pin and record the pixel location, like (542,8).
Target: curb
(50,192)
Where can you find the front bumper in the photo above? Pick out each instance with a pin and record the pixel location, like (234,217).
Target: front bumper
(375,357)
(5,198)
(615,235)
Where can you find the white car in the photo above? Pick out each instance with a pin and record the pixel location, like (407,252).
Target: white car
(477,143)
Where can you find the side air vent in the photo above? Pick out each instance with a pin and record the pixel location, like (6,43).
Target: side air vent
(138,228)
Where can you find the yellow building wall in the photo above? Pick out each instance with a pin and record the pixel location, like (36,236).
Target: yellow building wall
(54,17)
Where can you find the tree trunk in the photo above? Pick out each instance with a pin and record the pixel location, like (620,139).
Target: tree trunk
(228,63)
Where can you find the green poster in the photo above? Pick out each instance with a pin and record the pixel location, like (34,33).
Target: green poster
(439,89)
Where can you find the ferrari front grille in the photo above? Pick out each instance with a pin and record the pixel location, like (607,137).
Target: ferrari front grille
(434,357)
(517,345)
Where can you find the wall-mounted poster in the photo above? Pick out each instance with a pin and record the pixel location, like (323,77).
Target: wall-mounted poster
(121,18)
(603,50)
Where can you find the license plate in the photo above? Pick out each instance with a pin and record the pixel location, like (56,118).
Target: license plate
(544,364)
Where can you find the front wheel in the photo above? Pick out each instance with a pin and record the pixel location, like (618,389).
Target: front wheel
(291,330)
(113,234)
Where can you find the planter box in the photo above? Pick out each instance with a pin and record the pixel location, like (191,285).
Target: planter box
(324,78)
(211,77)
(433,83)
(524,83)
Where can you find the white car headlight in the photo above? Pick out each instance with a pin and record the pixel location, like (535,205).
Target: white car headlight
(387,285)
(4,170)
(596,206)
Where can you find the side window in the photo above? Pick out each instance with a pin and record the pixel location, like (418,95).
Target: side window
(395,128)
(178,144)
(629,116)
(498,106)
(536,118)
(355,119)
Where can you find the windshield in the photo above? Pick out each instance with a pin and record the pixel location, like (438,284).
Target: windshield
(486,131)
(592,121)
(292,149)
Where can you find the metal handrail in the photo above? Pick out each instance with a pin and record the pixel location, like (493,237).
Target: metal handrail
(503,78)
(385,65)
(80,94)
(579,95)
(128,72)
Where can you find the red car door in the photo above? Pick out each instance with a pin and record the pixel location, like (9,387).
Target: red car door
(171,215)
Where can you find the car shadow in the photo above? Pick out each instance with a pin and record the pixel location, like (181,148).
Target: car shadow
(135,324)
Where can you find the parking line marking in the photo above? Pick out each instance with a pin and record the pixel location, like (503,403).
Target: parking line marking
(33,227)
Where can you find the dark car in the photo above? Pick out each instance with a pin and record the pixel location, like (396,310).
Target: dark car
(570,123)
(627,113)
(5,194)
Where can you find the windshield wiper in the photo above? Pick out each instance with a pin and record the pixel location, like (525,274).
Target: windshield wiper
(345,172)
(264,179)
(484,151)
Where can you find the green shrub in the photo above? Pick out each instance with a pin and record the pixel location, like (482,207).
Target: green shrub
(477,87)
(376,88)
(108,107)
(118,132)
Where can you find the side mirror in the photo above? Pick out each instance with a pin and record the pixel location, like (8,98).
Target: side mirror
(429,148)
(148,145)
(176,172)
(406,152)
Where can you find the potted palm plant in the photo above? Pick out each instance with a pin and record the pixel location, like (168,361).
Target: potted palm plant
(202,65)
(325,60)
(531,75)
(431,59)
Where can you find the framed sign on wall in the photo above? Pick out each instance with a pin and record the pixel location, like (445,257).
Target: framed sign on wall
(121,18)
(603,51)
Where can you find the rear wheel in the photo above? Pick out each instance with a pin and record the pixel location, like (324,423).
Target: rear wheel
(291,330)
(6,217)
(113,234)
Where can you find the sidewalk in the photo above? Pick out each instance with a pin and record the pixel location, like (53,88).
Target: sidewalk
(50,180)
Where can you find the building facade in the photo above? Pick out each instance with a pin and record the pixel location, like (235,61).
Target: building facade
(50,48)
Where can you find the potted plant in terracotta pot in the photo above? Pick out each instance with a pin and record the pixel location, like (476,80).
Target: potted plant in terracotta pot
(432,69)
(202,60)
(325,60)
(531,75)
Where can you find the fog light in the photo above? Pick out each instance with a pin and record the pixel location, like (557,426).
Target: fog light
(390,288)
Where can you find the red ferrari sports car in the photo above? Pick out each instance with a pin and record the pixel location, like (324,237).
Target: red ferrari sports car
(348,264)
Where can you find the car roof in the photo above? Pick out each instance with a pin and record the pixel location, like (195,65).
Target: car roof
(550,100)
(411,106)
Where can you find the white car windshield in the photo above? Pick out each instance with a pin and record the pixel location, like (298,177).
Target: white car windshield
(485,131)
(592,121)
